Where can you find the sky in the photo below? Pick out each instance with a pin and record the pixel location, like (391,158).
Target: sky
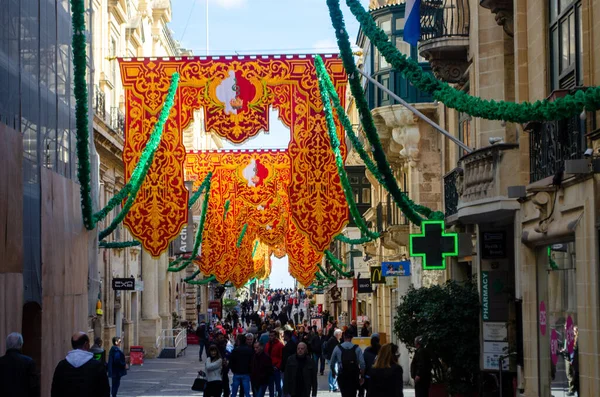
(248,27)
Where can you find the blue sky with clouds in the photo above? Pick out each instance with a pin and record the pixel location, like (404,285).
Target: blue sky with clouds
(257,26)
(260,27)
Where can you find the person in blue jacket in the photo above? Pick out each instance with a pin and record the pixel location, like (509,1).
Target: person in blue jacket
(117,367)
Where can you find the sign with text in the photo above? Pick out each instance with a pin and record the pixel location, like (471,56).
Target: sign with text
(123,284)
(376,275)
(491,362)
(495,347)
(493,245)
(542,318)
(395,268)
(345,283)
(183,243)
(364,286)
(495,332)
(494,297)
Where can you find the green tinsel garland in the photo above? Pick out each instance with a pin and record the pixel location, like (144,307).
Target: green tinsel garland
(202,282)
(408,208)
(199,232)
(255,248)
(81,111)
(348,240)
(242,234)
(193,276)
(147,160)
(119,244)
(406,203)
(227,203)
(488,109)
(198,192)
(337,264)
(326,275)
(335,146)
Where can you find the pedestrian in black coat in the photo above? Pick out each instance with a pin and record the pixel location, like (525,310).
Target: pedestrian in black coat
(79,375)
(18,375)
(420,369)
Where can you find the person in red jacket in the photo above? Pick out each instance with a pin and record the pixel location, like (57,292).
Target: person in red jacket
(274,349)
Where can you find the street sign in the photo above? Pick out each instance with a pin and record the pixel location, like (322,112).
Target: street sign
(376,275)
(123,284)
(364,286)
(345,283)
(433,244)
(395,268)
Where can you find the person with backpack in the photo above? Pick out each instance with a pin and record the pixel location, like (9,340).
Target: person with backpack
(350,366)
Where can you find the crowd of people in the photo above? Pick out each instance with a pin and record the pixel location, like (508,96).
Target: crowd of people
(268,346)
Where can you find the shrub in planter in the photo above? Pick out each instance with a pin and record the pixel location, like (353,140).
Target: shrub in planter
(447,316)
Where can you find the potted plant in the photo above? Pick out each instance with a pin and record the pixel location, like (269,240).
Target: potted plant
(447,316)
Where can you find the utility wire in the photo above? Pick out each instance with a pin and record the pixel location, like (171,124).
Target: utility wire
(188,20)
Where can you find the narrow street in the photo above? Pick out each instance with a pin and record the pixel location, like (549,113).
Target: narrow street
(174,377)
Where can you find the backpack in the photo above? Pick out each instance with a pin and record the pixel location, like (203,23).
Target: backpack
(350,371)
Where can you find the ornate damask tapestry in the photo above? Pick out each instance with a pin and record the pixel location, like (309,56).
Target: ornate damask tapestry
(235,95)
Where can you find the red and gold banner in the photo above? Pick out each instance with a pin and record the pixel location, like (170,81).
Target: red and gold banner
(235,95)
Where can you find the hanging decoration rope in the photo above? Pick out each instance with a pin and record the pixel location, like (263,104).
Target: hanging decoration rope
(81,112)
(174,266)
(146,157)
(327,275)
(227,203)
(242,234)
(198,192)
(202,282)
(337,264)
(558,109)
(348,240)
(119,244)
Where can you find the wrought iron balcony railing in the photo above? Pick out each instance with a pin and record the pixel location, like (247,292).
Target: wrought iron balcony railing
(553,142)
(451,192)
(444,18)
(99,103)
(117,120)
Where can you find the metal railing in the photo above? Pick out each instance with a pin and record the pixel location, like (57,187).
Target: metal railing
(99,103)
(117,120)
(451,193)
(394,216)
(444,18)
(172,338)
(553,142)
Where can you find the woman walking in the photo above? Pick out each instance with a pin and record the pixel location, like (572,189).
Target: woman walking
(214,366)
(385,377)
(117,367)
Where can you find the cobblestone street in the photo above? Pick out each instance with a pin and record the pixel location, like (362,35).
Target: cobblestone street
(174,377)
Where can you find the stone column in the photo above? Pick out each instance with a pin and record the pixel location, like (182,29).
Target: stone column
(163,291)
(151,323)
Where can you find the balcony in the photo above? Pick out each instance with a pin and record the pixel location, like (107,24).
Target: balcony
(481,181)
(396,226)
(553,142)
(450,192)
(445,38)
(117,120)
(503,10)
(99,103)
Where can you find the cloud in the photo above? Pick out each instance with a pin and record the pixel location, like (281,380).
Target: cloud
(230,3)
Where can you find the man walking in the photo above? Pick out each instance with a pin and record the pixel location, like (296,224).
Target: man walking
(332,343)
(239,363)
(350,365)
(117,367)
(300,379)
(261,370)
(274,349)
(79,375)
(420,369)
(288,350)
(202,334)
(18,376)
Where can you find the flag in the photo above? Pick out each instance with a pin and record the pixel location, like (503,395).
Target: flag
(412,26)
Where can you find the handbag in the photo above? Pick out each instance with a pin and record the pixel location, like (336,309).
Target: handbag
(199,382)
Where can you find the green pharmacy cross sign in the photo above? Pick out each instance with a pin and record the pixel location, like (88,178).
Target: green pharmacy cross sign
(433,244)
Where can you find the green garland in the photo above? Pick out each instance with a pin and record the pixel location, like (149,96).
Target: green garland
(337,264)
(198,192)
(254,249)
(410,209)
(242,234)
(339,161)
(119,244)
(226,209)
(202,282)
(326,275)
(558,109)
(174,266)
(348,240)
(81,112)
(146,157)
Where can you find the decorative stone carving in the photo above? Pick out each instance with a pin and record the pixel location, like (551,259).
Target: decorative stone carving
(504,12)
(449,70)
(542,202)
(404,131)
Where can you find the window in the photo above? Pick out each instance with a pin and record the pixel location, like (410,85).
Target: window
(113,61)
(464,131)
(565,44)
